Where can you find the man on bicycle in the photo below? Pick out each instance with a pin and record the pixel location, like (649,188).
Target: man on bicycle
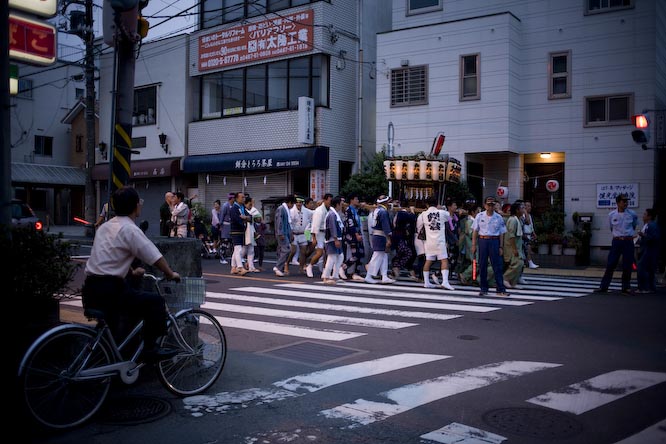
(109,272)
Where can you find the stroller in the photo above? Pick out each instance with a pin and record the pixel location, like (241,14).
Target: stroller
(208,249)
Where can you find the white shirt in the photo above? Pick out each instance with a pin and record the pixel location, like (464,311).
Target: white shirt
(319,219)
(116,244)
(489,225)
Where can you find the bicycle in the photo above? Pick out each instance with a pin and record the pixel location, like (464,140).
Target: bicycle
(66,373)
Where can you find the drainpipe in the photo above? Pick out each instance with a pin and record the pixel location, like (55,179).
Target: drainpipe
(360,86)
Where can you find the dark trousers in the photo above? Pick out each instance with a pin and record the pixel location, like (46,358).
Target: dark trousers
(489,248)
(647,267)
(116,297)
(624,248)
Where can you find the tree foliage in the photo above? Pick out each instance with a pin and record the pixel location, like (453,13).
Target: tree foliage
(370,183)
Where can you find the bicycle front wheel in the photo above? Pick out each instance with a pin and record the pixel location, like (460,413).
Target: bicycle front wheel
(53,393)
(200,359)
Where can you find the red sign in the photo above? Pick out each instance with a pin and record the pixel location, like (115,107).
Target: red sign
(552,185)
(31,41)
(257,41)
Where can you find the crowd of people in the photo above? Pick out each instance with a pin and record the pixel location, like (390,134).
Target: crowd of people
(485,246)
(429,245)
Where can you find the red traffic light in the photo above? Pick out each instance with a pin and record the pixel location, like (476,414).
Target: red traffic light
(641,121)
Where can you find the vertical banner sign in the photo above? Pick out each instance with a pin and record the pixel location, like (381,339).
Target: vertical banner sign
(120,171)
(306,120)
(317,184)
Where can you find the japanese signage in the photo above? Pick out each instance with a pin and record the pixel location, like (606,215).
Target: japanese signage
(31,41)
(44,8)
(276,37)
(317,184)
(306,120)
(607,192)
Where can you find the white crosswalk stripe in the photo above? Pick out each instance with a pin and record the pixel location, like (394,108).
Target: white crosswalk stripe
(274,309)
(595,392)
(456,433)
(402,399)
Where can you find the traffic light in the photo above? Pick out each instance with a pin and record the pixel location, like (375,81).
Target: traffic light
(641,134)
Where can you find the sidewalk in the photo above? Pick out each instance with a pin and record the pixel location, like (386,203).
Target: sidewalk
(78,233)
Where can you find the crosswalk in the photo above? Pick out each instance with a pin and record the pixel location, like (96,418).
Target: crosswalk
(352,309)
(578,398)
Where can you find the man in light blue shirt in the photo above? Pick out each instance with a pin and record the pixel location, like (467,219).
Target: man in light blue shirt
(488,231)
(622,222)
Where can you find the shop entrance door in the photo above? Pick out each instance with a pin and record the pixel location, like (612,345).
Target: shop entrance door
(538,195)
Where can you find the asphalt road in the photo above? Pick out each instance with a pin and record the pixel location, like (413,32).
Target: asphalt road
(357,363)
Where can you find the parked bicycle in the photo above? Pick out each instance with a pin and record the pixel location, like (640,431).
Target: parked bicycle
(67,372)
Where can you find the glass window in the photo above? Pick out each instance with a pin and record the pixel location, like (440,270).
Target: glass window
(255,8)
(320,80)
(608,110)
(44,146)
(79,144)
(276,5)
(595,6)
(234,10)
(277,85)
(559,69)
(145,101)
(409,86)
(255,89)
(25,88)
(79,92)
(421,6)
(299,2)
(232,92)
(469,77)
(212,13)
(299,80)
(211,96)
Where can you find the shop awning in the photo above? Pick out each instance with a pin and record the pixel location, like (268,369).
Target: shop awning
(312,157)
(142,169)
(47,174)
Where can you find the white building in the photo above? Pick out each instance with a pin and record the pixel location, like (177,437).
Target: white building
(527,91)
(48,156)
(162,105)
(250,63)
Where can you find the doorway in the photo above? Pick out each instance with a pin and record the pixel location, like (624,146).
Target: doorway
(535,188)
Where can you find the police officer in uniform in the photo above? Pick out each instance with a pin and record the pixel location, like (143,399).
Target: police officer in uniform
(488,231)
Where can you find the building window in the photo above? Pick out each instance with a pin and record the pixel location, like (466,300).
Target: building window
(409,86)
(608,110)
(232,92)
(274,86)
(217,12)
(255,89)
(470,77)
(78,93)
(145,103)
(25,88)
(597,6)
(211,96)
(44,146)
(559,74)
(422,6)
(139,142)
(79,144)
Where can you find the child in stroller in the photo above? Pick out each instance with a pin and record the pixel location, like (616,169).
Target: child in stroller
(208,249)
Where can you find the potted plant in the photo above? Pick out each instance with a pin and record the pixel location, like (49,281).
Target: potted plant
(555,240)
(570,245)
(542,242)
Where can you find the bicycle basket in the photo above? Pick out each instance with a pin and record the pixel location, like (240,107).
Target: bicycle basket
(190,292)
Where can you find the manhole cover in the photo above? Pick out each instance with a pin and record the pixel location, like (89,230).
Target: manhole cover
(134,410)
(536,423)
(311,353)
(468,337)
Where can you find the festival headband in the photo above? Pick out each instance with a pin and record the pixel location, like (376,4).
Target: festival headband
(384,200)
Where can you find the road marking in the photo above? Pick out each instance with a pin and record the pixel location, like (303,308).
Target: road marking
(334,307)
(288,330)
(470,291)
(456,433)
(303,384)
(363,412)
(361,300)
(363,322)
(526,290)
(656,434)
(592,393)
(427,294)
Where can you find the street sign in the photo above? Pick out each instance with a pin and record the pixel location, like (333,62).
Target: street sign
(43,8)
(31,41)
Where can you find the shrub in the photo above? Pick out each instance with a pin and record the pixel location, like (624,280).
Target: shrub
(40,265)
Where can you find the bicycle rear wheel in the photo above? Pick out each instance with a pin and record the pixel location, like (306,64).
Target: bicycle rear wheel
(53,394)
(198,365)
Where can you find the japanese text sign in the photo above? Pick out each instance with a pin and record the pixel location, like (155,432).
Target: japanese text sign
(251,42)
(31,41)
(607,192)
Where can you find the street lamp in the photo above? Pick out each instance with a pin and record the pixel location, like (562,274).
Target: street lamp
(163,139)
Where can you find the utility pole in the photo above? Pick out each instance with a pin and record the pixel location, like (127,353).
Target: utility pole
(89,39)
